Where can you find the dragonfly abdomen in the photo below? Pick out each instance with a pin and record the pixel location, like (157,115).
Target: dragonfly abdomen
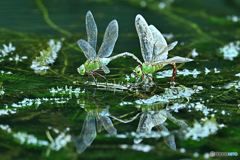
(149,68)
(105,61)
(158,66)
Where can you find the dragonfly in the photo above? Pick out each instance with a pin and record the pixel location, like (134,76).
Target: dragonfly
(154,49)
(101,59)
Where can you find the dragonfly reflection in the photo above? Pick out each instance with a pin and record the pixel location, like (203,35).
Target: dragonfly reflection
(101,116)
(152,118)
(88,134)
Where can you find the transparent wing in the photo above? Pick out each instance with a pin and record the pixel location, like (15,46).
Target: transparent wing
(160,52)
(80,145)
(105,68)
(180,123)
(169,140)
(145,38)
(108,125)
(89,129)
(91,30)
(172,45)
(109,40)
(144,126)
(87,49)
(99,124)
(159,117)
(176,59)
(87,135)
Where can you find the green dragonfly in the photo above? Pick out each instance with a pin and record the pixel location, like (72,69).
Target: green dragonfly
(96,61)
(154,50)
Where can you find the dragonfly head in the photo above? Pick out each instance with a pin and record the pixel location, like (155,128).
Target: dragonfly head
(137,71)
(81,69)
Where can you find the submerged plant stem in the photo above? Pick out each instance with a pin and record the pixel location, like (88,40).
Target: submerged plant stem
(17,69)
(59,75)
(48,20)
(65,63)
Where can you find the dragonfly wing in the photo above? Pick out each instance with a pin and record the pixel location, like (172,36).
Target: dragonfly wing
(180,123)
(99,124)
(105,68)
(159,117)
(145,38)
(89,129)
(160,53)
(144,126)
(80,145)
(87,135)
(177,59)
(91,30)
(109,40)
(87,49)
(172,45)
(108,125)
(169,140)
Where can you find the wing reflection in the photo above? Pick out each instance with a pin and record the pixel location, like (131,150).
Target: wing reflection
(156,118)
(89,133)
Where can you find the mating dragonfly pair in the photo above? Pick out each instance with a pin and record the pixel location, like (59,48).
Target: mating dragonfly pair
(154,50)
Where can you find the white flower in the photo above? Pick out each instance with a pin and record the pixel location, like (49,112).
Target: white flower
(40,64)
(231,50)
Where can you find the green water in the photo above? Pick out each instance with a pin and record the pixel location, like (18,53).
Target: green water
(42,115)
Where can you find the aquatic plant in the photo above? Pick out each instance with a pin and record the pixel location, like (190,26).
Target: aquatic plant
(40,64)
(230,50)
(202,130)
(7,50)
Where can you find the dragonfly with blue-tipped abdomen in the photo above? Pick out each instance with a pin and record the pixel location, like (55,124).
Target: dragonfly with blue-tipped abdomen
(154,51)
(99,61)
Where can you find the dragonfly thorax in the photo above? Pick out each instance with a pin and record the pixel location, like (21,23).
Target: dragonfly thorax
(147,68)
(91,65)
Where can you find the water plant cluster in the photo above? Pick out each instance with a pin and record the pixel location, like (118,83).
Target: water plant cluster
(47,56)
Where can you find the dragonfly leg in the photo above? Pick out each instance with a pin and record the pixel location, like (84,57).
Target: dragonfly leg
(143,79)
(98,71)
(88,79)
(150,79)
(174,72)
(94,78)
(152,93)
(101,76)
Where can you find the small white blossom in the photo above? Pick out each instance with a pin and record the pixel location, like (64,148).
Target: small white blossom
(230,50)
(40,64)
